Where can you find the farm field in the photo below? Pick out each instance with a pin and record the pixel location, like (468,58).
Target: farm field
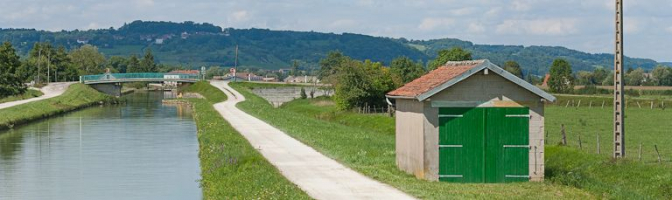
(365,143)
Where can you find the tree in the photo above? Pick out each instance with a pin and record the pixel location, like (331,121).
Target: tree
(454,54)
(118,63)
(584,78)
(295,68)
(561,80)
(303,93)
(662,76)
(406,70)
(147,64)
(599,74)
(133,65)
(635,77)
(88,60)
(329,64)
(10,83)
(514,68)
(609,79)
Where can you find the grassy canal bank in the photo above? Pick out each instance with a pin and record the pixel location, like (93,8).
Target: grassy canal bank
(30,93)
(77,96)
(230,167)
(365,143)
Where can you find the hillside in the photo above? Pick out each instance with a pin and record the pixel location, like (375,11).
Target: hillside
(194,44)
(535,59)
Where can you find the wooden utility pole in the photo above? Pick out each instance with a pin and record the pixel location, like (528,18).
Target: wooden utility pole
(235,66)
(619,112)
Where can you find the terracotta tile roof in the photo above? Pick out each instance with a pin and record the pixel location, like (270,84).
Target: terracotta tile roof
(184,72)
(435,78)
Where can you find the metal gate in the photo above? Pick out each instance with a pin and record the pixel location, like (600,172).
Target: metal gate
(483,145)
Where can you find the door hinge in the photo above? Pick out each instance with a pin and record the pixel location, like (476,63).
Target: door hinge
(450,146)
(453,116)
(517,176)
(516,146)
(450,176)
(528,116)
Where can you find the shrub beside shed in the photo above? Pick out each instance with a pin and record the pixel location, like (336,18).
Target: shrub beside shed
(472,122)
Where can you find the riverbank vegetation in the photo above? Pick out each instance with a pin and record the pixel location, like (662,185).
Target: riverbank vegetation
(30,93)
(230,167)
(365,143)
(77,96)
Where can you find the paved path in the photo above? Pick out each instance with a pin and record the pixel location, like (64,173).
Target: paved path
(50,91)
(314,173)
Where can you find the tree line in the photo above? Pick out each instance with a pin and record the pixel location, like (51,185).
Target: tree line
(46,63)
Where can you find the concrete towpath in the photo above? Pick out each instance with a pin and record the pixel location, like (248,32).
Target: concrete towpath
(317,175)
(50,91)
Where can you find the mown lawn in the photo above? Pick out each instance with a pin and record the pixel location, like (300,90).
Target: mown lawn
(77,96)
(30,93)
(644,126)
(230,167)
(365,143)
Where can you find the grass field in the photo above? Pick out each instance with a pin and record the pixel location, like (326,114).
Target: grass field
(365,143)
(30,93)
(230,167)
(77,96)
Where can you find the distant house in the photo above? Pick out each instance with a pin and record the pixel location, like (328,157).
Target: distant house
(82,41)
(184,35)
(175,74)
(302,79)
(158,41)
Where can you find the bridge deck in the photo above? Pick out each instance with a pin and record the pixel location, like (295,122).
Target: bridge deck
(138,77)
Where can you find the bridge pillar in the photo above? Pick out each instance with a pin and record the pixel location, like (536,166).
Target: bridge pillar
(113,89)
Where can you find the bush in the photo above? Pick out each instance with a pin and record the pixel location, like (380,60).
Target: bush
(303,93)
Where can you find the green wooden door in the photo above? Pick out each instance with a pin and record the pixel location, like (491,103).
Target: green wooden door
(461,145)
(507,150)
(479,145)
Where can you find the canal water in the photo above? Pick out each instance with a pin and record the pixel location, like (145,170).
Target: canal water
(138,150)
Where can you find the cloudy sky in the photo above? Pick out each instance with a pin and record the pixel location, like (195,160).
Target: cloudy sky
(578,24)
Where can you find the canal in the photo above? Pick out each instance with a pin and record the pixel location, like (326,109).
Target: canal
(138,150)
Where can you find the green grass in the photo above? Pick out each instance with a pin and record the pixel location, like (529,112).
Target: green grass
(230,167)
(643,126)
(30,93)
(365,143)
(77,96)
(623,179)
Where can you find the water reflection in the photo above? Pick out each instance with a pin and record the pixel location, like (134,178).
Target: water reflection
(139,150)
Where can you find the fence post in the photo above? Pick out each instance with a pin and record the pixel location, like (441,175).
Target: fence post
(639,105)
(658,153)
(590,105)
(640,151)
(564,136)
(652,105)
(567,104)
(603,104)
(580,143)
(598,143)
(578,104)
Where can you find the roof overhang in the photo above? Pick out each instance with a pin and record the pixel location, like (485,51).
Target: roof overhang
(485,65)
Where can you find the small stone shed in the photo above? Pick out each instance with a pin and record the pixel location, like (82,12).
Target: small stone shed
(470,122)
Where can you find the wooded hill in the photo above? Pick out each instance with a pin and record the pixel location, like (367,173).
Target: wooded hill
(195,44)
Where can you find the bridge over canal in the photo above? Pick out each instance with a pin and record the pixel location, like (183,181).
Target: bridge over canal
(110,83)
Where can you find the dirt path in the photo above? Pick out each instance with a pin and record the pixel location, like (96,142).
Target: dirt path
(50,91)
(317,175)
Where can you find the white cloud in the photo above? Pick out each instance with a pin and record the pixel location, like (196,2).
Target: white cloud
(343,23)
(521,5)
(429,24)
(669,29)
(551,27)
(476,28)
(238,16)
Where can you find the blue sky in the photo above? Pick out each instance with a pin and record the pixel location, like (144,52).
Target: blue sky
(578,24)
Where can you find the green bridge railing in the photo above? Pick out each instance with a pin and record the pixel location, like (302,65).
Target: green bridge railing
(139,76)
